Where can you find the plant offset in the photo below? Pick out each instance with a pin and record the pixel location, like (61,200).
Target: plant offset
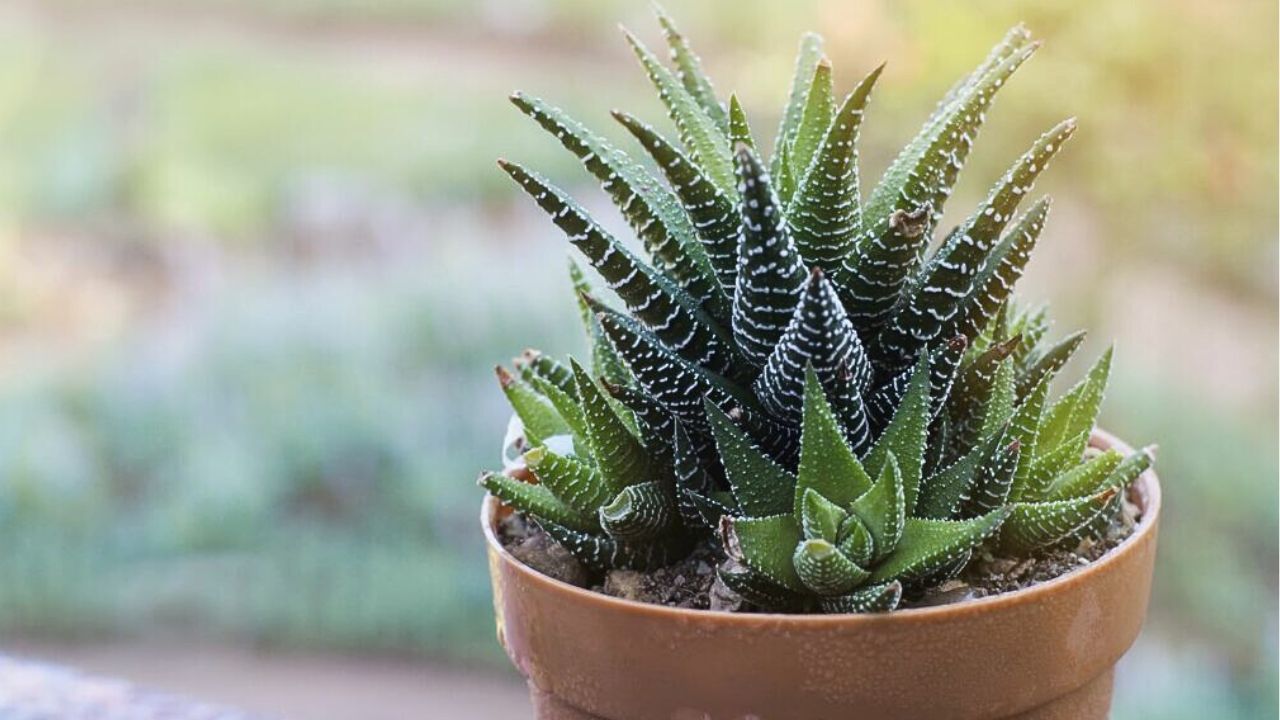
(791,375)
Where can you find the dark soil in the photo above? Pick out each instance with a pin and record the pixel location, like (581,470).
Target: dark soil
(690,583)
(693,582)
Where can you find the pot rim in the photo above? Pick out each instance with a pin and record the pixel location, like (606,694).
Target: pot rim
(1147,485)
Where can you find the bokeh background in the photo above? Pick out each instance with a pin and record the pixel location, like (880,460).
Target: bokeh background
(256,265)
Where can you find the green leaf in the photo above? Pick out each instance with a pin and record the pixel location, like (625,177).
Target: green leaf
(786,178)
(549,369)
(1033,526)
(882,509)
(673,316)
(995,481)
(759,590)
(739,128)
(536,500)
(689,69)
(574,481)
(698,131)
(824,214)
(539,418)
(806,63)
(993,285)
(1025,428)
(942,494)
(565,406)
(640,512)
(1050,464)
(649,207)
(969,263)
(770,273)
(714,214)
(872,278)
(824,570)
(1084,479)
(819,517)
(765,545)
(605,362)
(1077,411)
(1130,468)
(928,546)
(905,437)
(870,599)
(618,454)
(827,464)
(925,171)
(819,108)
(759,484)
(1047,364)
(998,410)
(676,383)
(854,540)
(601,553)
(820,338)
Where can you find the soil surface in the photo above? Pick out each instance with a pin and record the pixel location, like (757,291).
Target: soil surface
(693,582)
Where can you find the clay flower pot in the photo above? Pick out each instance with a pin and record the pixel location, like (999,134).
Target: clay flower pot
(1047,651)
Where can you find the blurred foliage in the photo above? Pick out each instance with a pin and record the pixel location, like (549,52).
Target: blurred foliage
(279,447)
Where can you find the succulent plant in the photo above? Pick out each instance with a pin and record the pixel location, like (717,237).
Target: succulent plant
(776,306)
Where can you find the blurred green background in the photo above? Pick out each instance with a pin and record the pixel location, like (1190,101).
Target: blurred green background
(256,265)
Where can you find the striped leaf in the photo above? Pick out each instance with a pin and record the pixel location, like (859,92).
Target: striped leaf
(600,552)
(827,464)
(819,109)
(923,174)
(618,455)
(905,436)
(640,512)
(870,599)
(806,63)
(672,315)
(993,285)
(698,131)
(820,337)
(676,383)
(953,280)
(823,216)
(928,546)
(825,570)
(770,273)
(605,363)
(651,209)
(536,500)
(714,214)
(760,485)
(1039,525)
(689,70)
(574,481)
(765,545)
(1048,363)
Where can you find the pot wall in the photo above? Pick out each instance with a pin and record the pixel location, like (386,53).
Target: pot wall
(1043,652)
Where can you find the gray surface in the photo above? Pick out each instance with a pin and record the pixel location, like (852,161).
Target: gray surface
(39,691)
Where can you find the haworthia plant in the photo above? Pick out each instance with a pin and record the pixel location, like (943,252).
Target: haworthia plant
(786,371)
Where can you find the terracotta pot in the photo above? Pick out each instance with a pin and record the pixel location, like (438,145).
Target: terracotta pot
(1047,651)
